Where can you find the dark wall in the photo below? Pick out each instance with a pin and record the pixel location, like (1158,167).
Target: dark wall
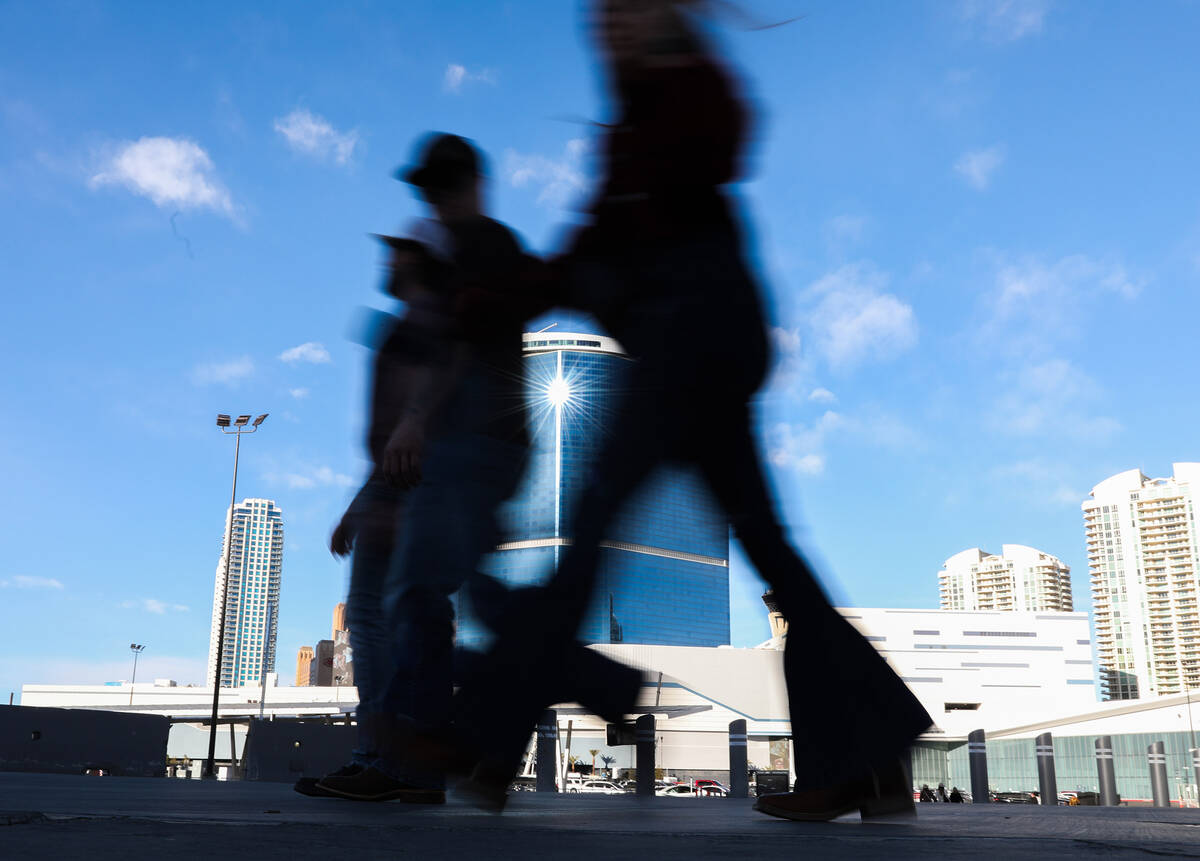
(71,741)
(282,751)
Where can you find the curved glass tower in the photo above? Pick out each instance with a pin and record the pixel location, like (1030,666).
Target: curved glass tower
(664,570)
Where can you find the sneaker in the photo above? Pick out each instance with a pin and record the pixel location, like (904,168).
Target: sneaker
(311,785)
(371,784)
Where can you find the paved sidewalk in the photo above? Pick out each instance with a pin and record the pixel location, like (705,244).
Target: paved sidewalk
(62,816)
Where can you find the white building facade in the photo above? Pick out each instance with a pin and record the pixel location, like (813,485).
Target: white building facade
(254,538)
(1145,576)
(1018,578)
(971,670)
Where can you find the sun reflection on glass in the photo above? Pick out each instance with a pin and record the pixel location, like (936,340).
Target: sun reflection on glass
(558,391)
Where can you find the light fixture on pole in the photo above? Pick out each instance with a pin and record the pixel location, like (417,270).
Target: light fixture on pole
(239,428)
(137,650)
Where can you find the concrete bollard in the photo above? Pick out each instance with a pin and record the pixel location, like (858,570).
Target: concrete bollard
(977,756)
(739,779)
(1156,756)
(1106,771)
(1047,780)
(645,754)
(547,751)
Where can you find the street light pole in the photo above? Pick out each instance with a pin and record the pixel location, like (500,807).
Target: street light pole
(137,650)
(239,428)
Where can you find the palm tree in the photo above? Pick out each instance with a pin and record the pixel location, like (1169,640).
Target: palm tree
(593,753)
(608,761)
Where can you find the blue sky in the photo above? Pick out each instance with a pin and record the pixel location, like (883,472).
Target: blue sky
(977,222)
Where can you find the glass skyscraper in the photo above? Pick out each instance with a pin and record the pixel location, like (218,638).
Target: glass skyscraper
(664,569)
(255,528)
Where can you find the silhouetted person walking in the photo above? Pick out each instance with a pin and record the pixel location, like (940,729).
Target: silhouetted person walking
(661,264)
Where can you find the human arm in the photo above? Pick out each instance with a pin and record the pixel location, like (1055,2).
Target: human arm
(427,386)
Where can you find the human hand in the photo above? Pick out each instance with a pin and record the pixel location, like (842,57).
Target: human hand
(402,455)
(342,540)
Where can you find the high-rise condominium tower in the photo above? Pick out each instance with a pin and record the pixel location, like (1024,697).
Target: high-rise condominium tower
(255,528)
(1019,578)
(1143,560)
(663,576)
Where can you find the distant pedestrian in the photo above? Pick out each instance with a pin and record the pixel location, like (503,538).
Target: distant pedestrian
(941,793)
(927,793)
(955,795)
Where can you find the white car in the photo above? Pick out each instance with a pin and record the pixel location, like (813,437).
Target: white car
(679,790)
(601,787)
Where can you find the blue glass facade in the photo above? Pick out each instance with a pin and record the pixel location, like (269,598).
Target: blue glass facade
(664,571)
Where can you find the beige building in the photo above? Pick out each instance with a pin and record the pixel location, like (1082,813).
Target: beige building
(1018,578)
(304,659)
(339,619)
(1144,562)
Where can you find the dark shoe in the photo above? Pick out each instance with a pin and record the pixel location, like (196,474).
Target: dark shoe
(484,790)
(881,793)
(311,785)
(371,784)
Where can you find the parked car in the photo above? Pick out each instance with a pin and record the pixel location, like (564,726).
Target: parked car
(1014,798)
(601,787)
(711,790)
(699,782)
(679,790)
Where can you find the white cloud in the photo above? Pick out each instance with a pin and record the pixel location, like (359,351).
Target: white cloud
(786,340)
(822,396)
(798,447)
(1005,20)
(1040,482)
(153,605)
(977,166)
(855,320)
(844,230)
(226,373)
(307,352)
(308,477)
(457,75)
(172,172)
(1054,291)
(801,447)
(311,134)
(558,179)
(25,581)
(298,394)
(1051,398)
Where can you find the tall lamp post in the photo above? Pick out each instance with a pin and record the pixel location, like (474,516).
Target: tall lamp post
(237,427)
(137,650)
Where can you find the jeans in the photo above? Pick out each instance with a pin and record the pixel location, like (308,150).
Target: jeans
(450,524)
(374,512)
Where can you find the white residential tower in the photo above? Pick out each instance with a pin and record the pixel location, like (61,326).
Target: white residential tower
(1142,557)
(252,614)
(1019,578)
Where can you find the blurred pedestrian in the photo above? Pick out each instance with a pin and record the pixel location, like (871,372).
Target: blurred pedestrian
(661,263)
(367,529)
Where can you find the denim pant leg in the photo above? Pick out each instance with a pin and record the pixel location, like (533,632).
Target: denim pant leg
(375,513)
(450,524)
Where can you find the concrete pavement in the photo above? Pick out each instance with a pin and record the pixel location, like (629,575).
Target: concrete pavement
(64,816)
